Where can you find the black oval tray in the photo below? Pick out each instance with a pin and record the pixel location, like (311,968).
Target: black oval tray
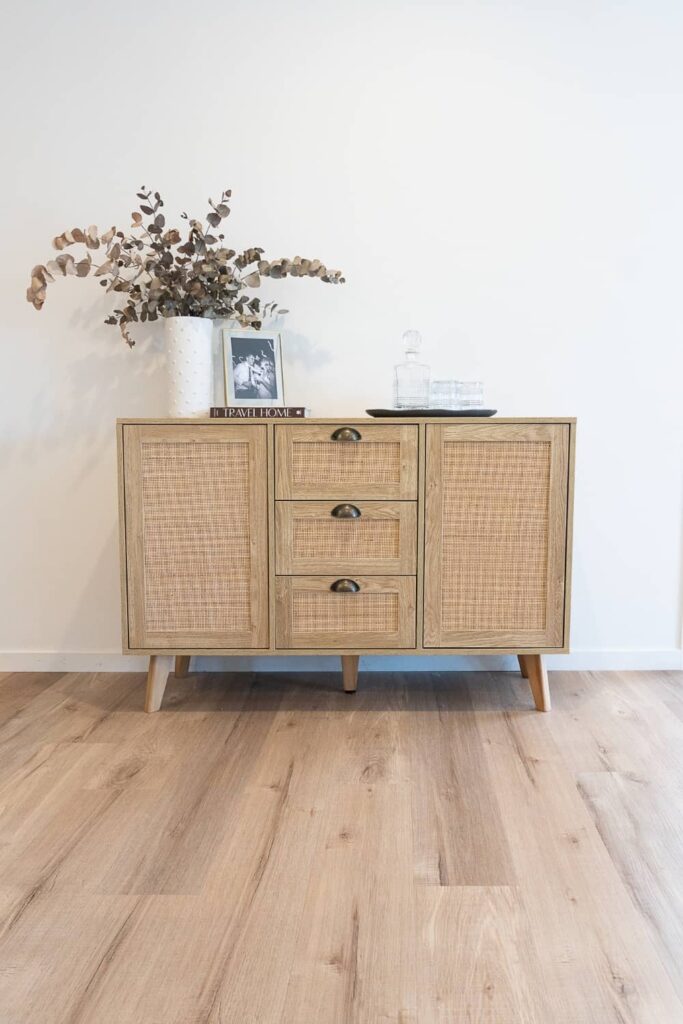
(431,412)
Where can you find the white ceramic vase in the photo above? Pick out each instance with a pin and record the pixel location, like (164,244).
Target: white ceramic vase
(189,360)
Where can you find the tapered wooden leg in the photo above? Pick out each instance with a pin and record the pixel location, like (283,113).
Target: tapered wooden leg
(160,666)
(350,672)
(538,681)
(523,667)
(182,666)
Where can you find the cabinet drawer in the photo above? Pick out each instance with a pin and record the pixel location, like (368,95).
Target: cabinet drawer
(346,461)
(360,537)
(311,614)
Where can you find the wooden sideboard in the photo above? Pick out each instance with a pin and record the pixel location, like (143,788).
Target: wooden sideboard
(411,536)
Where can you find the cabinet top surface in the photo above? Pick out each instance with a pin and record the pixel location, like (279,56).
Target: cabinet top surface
(312,420)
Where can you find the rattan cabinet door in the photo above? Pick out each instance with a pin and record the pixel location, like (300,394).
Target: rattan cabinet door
(346,461)
(495,535)
(196,536)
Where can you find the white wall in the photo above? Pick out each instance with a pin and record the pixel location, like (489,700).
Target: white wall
(507,177)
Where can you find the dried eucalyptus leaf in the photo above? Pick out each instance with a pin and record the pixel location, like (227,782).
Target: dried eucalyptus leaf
(64,261)
(202,277)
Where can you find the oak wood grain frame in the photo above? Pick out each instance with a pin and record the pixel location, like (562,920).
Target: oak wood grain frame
(123,539)
(344,420)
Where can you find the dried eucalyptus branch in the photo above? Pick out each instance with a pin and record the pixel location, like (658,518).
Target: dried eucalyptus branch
(160,274)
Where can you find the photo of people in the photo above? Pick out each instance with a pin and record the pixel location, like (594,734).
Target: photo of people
(253,369)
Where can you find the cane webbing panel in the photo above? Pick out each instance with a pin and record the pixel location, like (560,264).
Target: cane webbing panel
(195,510)
(496,498)
(346,463)
(360,539)
(319,611)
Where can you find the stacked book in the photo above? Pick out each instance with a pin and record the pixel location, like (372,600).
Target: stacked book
(259,412)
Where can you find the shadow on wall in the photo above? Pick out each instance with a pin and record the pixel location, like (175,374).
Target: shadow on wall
(300,355)
(300,351)
(83,378)
(97,608)
(112,380)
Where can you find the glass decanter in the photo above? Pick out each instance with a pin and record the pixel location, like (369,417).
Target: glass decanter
(411,378)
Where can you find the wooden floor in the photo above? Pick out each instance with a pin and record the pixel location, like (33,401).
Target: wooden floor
(271,850)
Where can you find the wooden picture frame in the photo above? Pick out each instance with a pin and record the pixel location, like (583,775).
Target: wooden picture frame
(252,367)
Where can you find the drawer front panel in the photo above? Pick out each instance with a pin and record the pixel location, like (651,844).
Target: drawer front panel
(360,537)
(310,614)
(380,463)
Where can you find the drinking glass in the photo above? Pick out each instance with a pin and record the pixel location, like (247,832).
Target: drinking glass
(470,394)
(443,394)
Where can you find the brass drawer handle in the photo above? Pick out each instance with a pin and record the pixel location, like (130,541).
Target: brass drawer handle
(345,587)
(346,434)
(345,512)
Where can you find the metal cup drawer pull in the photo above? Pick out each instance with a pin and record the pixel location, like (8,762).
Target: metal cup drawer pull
(346,434)
(345,587)
(345,511)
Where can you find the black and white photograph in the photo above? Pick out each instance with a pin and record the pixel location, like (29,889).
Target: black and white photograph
(252,362)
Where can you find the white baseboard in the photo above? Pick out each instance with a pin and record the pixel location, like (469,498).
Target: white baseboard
(110,661)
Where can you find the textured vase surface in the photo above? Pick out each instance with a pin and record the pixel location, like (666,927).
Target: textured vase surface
(189,360)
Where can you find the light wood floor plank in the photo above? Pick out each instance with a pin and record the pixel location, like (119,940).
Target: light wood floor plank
(598,960)
(457,832)
(173,832)
(641,825)
(18,689)
(356,954)
(258,960)
(476,958)
(269,849)
(619,722)
(55,949)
